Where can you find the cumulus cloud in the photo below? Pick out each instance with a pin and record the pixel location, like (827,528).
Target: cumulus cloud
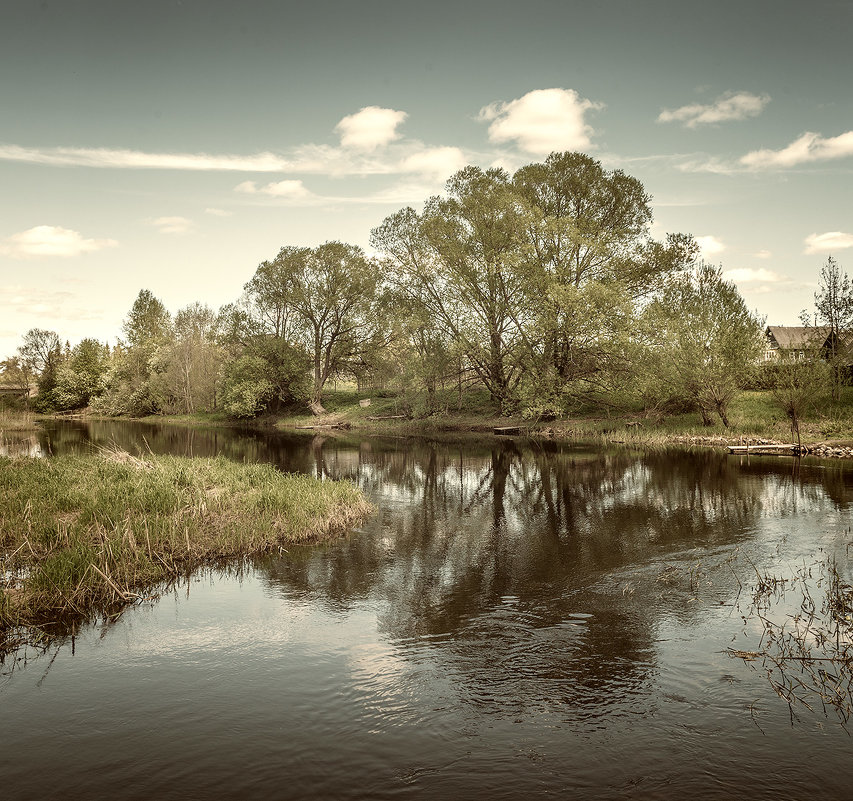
(809,147)
(762,254)
(173,225)
(826,243)
(726,108)
(439,161)
(290,188)
(371,127)
(218,212)
(542,121)
(709,245)
(51,240)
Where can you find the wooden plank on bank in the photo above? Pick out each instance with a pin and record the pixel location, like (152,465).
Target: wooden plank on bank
(758,450)
(507,430)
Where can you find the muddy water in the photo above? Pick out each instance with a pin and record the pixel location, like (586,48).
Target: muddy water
(516,620)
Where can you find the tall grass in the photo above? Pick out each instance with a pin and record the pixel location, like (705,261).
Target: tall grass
(81,535)
(16,420)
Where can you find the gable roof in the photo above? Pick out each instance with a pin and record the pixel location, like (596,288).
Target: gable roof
(797,337)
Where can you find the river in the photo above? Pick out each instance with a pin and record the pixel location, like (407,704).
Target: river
(518,619)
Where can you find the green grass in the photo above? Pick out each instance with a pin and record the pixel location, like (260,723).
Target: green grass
(80,535)
(752,414)
(414,412)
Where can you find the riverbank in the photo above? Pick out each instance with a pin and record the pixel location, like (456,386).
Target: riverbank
(754,418)
(85,535)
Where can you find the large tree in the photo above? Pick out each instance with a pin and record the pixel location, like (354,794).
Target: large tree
(461,263)
(534,277)
(194,359)
(41,354)
(325,299)
(83,375)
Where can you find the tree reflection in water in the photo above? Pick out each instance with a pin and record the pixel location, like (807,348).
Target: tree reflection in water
(534,575)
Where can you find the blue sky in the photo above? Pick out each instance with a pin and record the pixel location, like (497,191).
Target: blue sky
(175,145)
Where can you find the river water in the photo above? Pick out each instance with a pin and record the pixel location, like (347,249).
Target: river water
(517,619)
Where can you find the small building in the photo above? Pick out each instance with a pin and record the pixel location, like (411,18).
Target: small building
(796,342)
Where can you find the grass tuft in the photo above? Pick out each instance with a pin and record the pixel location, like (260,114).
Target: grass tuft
(83,535)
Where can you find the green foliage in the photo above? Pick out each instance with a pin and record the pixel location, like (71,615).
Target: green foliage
(246,390)
(834,307)
(82,376)
(801,385)
(534,280)
(148,322)
(323,300)
(269,375)
(703,341)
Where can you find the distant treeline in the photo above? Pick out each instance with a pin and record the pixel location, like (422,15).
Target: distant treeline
(545,287)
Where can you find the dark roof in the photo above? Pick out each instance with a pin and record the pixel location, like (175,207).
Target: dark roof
(797,337)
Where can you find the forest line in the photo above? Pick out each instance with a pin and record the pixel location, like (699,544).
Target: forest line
(545,287)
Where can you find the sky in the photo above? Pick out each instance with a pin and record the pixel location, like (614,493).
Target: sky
(175,145)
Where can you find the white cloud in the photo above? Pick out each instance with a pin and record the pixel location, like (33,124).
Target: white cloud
(137,159)
(748,275)
(441,162)
(762,254)
(173,225)
(808,148)
(542,121)
(709,245)
(289,189)
(727,107)
(707,164)
(371,127)
(51,240)
(218,212)
(826,243)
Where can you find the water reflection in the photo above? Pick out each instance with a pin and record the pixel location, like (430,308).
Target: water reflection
(534,573)
(548,599)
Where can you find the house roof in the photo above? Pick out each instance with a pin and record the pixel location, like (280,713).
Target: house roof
(797,337)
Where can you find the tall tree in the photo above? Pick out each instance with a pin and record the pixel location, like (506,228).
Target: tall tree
(460,262)
(534,277)
(82,376)
(593,258)
(148,321)
(324,298)
(136,384)
(41,349)
(834,306)
(194,359)
(704,340)
(41,353)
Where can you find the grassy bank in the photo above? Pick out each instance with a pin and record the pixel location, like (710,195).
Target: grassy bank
(752,414)
(81,535)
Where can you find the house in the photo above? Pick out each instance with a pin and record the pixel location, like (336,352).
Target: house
(796,342)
